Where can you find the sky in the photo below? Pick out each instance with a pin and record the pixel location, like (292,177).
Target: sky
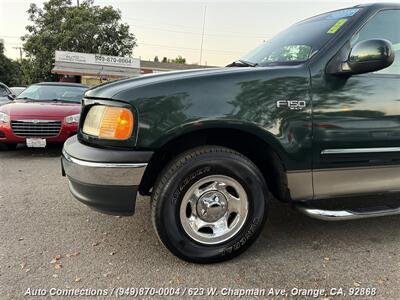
(173,28)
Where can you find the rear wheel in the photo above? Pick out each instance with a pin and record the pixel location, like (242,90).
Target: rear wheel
(209,204)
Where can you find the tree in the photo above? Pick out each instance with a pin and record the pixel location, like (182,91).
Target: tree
(178,60)
(156,59)
(85,28)
(9,70)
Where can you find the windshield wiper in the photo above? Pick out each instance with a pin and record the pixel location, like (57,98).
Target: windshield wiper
(242,63)
(56,100)
(24,98)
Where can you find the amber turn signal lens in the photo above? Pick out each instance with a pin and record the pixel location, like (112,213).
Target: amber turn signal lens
(109,122)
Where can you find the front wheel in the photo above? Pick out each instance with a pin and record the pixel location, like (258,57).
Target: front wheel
(209,204)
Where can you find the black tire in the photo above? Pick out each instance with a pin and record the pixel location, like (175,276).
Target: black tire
(178,177)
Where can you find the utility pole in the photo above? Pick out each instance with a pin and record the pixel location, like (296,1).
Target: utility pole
(77,3)
(202,35)
(20,52)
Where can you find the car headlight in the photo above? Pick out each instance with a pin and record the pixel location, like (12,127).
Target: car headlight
(72,119)
(4,118)
(109,122)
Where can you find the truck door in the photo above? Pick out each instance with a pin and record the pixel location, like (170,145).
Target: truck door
(356,124)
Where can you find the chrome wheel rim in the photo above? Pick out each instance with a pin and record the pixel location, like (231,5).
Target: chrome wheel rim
(214,209)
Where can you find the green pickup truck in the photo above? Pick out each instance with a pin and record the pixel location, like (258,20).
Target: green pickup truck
(310,118)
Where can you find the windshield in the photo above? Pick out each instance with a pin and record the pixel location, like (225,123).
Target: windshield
(300,41)
(17,90)
(53,92)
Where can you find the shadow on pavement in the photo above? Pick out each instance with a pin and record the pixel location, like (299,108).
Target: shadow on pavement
(289,231)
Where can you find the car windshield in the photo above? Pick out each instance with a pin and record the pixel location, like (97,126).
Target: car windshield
(301,41)
(17,90)
(53,93)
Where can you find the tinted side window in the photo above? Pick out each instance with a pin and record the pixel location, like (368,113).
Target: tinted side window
(384,25)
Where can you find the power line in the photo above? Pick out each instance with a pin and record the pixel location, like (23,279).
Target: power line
(226,35)
(220,33)
(10,36)
(168,46)
(179,25)
(187,48)
(162,23)
(202,35)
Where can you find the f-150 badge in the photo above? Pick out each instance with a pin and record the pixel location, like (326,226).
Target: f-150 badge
(291,104)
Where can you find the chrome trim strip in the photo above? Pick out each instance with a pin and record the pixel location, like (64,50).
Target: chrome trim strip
(344,215)
(360,150)
(37,121)
(102,165)
(376,168)
(118,174)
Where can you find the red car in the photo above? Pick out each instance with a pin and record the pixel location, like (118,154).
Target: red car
(43,113)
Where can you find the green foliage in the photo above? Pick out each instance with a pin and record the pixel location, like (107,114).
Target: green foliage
(9,70)
(60,25)
(28,72)
(178,60)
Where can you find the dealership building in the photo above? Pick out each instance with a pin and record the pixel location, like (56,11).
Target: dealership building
(93,69)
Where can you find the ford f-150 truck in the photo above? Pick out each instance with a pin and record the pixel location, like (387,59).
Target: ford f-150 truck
(310,118)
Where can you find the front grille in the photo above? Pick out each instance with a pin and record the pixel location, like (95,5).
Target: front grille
(36,128)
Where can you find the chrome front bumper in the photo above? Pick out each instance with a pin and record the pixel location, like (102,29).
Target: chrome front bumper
(103,173)
(103,179)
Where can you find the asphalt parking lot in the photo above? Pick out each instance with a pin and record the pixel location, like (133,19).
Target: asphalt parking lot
(49,240)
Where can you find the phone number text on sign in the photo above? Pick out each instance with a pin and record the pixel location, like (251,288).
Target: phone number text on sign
(113,60)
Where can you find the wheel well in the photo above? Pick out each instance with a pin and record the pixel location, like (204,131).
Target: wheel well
(257,150)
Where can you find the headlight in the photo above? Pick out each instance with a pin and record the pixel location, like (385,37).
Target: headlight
(109,122)
(72,119)
(4,118)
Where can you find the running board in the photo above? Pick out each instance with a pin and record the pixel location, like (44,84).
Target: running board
(343,215)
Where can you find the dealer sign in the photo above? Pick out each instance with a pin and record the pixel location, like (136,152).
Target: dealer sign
(97,59)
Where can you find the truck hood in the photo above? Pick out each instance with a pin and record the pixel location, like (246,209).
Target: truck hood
(109,90)
(30,109)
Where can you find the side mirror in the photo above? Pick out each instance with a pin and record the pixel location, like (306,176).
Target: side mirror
(370,56)
(366,56)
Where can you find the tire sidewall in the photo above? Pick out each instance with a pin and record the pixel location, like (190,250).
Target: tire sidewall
(171,231)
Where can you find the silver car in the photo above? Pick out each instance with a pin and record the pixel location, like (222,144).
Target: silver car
(16,90)
(5,94)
